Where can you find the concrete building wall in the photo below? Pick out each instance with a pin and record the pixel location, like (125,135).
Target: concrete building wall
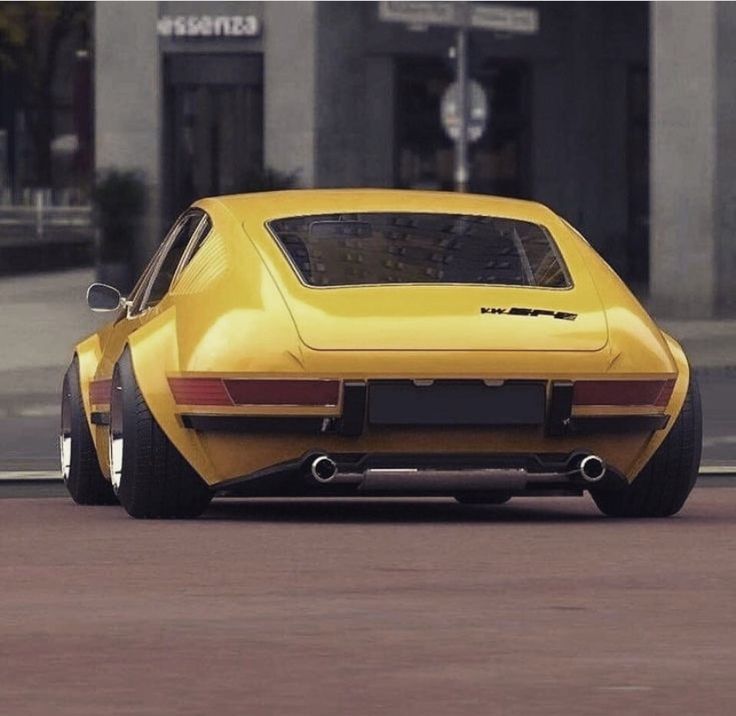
(685,124)
(128,101)
(725,159)
(290,82)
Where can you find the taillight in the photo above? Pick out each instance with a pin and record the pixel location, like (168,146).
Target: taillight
(284,392)
(199,391)
(246,391)
(623,392)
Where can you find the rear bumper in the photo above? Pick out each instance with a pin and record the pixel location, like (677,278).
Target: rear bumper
(396,474)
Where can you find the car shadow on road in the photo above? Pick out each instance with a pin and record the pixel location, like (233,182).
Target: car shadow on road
(365,511)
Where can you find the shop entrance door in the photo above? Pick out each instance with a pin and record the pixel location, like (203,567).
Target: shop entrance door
(213,134)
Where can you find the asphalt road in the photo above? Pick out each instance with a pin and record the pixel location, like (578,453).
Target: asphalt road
(361,608)
(29,426)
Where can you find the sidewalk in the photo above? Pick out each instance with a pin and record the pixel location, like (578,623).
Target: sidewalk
(42,316)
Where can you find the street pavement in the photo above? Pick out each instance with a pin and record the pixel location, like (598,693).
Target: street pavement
(336,607)
(341,608)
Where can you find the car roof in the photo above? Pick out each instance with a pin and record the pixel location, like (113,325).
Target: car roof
(264,206)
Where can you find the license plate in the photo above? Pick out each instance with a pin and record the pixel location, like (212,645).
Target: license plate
(447,402)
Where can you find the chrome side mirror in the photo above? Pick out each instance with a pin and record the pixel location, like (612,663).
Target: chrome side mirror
(101,297)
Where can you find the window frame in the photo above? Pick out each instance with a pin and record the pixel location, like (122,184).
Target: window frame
(140,303)
(570,280)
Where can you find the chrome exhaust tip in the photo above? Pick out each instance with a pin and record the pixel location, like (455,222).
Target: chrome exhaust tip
(323,469)
(593,468)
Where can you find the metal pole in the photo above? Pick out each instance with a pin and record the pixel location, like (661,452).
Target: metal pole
(461,144)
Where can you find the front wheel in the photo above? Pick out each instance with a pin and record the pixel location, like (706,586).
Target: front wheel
(661,488)
(151,477)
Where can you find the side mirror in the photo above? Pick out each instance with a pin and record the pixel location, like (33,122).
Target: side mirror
(101,297)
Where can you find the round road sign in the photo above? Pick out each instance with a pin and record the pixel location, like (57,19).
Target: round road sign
(477,111)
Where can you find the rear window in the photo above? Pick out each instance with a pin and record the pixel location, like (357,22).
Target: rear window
(381,248)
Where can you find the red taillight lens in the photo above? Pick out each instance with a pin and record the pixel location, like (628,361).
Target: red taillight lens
(284,392)
(623,392)
(199,391)
(234,391)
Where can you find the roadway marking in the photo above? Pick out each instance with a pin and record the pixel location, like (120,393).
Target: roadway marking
(720,440)
(39,411)
(29,476)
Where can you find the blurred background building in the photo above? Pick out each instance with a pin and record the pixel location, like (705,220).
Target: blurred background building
(620,116)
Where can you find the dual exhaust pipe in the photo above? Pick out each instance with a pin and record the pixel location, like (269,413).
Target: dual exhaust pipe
(591,468)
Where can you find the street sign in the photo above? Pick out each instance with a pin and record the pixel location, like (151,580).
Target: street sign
(464,109)
(477,111)
(495,17)
(504,18)
(419,13)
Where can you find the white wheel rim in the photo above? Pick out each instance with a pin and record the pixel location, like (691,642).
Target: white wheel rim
(65,438)
(65,449)
(115,438)
(116,459)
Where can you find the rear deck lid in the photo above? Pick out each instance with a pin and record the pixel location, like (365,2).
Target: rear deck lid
(429,281)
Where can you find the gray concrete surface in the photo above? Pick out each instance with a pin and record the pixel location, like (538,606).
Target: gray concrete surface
(398,607)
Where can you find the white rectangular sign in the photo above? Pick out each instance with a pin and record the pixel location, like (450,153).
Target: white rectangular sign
(418,13)
(512,19)
(504,18)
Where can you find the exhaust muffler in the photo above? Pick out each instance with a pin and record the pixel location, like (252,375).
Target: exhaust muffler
(592,468)
(323,469)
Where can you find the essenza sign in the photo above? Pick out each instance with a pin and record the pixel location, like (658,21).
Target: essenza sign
(209,26)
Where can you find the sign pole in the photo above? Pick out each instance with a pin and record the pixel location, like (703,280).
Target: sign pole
(461,143)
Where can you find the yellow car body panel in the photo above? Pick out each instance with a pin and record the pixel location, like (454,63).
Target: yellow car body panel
(239,309)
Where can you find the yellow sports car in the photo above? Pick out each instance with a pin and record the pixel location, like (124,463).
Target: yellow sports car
(375,342)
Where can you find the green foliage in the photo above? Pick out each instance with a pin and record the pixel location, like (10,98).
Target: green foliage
(119,202)
(31,37)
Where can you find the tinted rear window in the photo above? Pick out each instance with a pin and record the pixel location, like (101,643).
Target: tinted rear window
(381,248)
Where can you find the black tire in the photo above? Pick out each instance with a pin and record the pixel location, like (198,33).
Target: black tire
(485,498)
(80,467)
(155,479)
(661,488)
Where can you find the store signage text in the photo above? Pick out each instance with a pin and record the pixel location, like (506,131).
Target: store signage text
(209,26)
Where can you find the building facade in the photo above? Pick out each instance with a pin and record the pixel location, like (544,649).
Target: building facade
(201,97)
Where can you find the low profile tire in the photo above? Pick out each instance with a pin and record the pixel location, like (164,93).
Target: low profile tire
(80,467)
(661,488)
(487,498)
(149,474)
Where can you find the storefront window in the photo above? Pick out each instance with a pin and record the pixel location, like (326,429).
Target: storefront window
(214,126)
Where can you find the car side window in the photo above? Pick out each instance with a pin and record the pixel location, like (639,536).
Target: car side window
(170,257)
(195,242)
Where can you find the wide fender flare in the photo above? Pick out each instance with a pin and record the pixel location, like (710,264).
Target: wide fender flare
(154,353)
(89,354)
(677,400)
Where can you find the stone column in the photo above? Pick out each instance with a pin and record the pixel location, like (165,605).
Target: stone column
(693,160)
(289,80)
(128,99)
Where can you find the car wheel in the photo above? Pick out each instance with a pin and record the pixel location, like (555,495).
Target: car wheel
(661,488)
(485,498)
(151,477)
(79,464)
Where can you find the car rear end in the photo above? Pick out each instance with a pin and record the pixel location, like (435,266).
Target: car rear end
(439,350)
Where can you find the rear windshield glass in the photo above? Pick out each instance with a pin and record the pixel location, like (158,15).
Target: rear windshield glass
(380,248)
